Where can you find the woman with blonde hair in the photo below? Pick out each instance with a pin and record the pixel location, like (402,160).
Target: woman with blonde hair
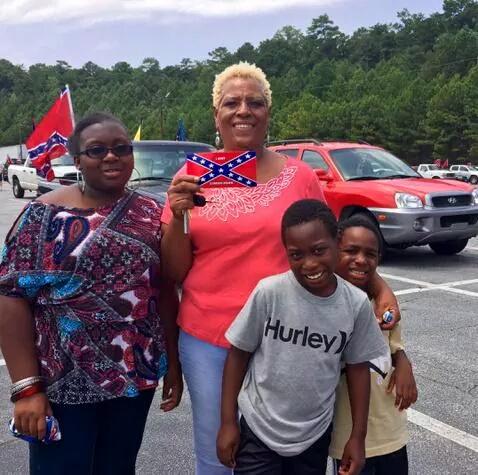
(234,241)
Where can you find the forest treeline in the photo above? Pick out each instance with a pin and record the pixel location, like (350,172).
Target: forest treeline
(410,86)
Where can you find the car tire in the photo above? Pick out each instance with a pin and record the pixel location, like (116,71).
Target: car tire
(371,219)
(436,177)
(18,191)
(449,248)
(473,179)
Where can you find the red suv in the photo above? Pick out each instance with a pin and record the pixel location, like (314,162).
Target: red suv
(409,210)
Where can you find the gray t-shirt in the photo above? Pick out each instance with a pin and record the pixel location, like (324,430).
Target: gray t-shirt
(299,341)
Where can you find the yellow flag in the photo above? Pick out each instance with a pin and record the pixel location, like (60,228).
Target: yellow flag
(138,134)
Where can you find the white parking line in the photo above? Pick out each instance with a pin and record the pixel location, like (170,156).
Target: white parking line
(406,280)
(413,290)
(444,430)
(427,286)
(459,291)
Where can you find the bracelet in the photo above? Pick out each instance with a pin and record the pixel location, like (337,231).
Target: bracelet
(28,391)
(23,383)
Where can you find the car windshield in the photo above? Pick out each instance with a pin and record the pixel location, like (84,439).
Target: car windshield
(64,160)
(370,164)
(433,167)
(162,161)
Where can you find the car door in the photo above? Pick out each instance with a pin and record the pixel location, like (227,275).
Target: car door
(29,176)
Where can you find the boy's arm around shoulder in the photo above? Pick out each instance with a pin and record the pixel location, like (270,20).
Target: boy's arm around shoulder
(384,299)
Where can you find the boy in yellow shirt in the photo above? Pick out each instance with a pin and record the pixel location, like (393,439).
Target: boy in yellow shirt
(385,444)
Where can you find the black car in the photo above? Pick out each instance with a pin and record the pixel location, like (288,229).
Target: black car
(155,163)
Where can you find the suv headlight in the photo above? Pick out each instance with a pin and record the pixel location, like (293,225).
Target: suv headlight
(406,200)
(474,195)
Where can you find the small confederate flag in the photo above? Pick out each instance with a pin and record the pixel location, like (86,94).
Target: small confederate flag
(48,140)
(223,169)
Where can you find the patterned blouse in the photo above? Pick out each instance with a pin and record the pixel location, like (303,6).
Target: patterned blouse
(91,277)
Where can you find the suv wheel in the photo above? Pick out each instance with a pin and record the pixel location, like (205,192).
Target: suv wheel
(449,248)
(18,191)
(473,179)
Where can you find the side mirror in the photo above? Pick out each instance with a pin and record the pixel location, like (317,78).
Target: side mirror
(323,175)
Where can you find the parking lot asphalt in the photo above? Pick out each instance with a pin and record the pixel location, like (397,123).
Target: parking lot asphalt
(439,301)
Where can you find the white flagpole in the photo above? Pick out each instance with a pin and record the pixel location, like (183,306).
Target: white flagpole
(72,116)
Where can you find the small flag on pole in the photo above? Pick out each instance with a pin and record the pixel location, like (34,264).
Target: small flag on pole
(181,134)
(138,133)
(49,139)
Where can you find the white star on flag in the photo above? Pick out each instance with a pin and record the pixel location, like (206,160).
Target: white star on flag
(203,161)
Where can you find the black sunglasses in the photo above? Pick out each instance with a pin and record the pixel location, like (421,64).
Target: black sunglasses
(100,151)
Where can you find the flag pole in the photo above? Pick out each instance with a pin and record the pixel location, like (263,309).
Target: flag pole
(72,114)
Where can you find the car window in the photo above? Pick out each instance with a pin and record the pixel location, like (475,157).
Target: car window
(64,160)
(290,152)
(314,159)
(356,163)
(162,160)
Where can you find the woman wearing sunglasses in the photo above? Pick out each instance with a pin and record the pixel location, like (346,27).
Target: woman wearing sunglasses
(87,325)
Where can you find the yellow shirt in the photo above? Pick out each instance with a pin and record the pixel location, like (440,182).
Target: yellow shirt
(387,426)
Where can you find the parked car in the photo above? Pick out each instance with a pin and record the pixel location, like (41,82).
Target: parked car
(427,170)
(155,164)
(408,210)
(466,172)
(24,177)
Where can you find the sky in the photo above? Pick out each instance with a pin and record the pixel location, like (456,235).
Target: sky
(108,31)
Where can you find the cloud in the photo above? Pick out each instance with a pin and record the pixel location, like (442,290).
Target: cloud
(88,12)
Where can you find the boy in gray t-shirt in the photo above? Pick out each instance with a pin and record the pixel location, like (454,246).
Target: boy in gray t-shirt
(288,343)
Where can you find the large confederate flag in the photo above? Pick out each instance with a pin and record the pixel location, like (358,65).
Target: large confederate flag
(48,140)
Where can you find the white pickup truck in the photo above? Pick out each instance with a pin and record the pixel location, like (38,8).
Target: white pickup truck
(24,177)
(432,171)
(467,172)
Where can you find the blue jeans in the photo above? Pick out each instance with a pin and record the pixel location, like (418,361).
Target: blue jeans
(96,439)
(202,365)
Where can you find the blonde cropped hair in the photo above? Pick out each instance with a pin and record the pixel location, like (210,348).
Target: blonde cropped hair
(241,70)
